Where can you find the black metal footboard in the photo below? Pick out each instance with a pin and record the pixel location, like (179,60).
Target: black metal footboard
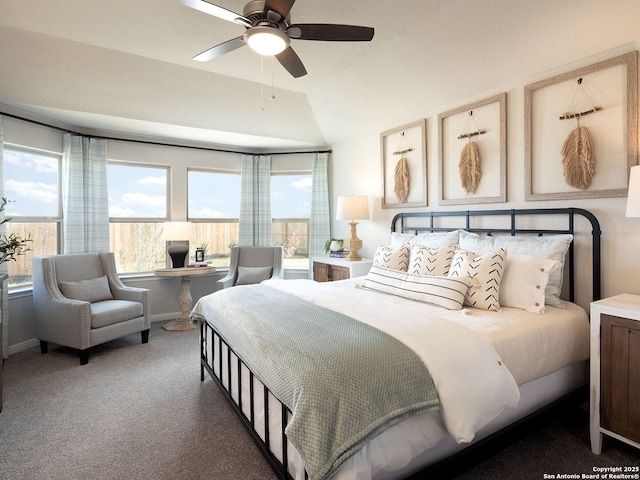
(219,360)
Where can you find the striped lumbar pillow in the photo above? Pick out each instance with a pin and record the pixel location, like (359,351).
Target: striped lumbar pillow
(447,292)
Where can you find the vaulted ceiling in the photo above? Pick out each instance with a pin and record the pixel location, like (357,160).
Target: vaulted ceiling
(126,66)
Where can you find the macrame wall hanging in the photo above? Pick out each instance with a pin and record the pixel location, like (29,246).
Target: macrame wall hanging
(402,177)
(469,166)
(578,160)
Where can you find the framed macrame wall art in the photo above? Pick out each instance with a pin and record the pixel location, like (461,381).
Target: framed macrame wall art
(404,166)
(472,152)
(581,131)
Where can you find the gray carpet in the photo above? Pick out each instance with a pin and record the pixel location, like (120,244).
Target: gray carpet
(140,412)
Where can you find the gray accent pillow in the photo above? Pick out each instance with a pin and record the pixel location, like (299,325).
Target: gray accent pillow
(251,275)
(94,290)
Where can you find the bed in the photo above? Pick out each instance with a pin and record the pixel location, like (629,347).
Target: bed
(456,368)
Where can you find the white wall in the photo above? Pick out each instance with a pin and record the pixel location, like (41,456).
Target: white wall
(356,168)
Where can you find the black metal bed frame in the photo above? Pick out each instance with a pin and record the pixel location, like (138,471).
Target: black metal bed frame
(210,340)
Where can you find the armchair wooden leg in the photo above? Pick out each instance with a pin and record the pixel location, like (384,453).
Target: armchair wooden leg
(44,346)
(84,357)
(145,336)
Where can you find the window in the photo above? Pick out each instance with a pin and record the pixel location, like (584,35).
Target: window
(32,185)
(137,212)
(291,211)
(214,209)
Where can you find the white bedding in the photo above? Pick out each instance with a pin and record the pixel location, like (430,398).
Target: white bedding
(530,345)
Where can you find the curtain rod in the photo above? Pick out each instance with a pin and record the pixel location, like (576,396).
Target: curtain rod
(148,142)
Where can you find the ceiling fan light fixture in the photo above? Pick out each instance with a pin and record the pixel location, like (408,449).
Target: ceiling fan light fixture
(266,41)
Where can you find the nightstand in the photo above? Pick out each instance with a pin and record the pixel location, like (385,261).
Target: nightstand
(615,370)
(329,269)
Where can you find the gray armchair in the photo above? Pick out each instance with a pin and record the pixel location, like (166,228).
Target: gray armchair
(252,265)
(80,301)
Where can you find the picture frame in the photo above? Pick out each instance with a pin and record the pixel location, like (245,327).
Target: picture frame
(199,254)
(610,114)
(413,137)
(489,134)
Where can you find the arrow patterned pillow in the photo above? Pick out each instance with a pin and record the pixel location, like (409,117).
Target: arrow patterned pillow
(393,258)
(431,261)
(486,271)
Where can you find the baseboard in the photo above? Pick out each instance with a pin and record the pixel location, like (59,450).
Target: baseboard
(21,347)
(34,342)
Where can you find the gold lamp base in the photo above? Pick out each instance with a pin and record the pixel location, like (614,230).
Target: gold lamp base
(354,243)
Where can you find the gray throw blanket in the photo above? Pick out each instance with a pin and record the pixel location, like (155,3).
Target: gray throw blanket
(344,381)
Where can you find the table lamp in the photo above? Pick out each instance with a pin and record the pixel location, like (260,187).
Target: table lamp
(353,207)
(633,197)
(178,233)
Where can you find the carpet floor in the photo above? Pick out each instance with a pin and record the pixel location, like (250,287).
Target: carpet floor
(140,411)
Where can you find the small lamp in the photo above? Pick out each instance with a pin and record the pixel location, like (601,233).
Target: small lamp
(353,207)
(178,233)
(633,197)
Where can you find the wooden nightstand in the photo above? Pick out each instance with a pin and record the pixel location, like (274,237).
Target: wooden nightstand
(615,370)
(328,269)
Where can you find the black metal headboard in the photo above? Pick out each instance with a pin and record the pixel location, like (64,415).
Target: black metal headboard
(421,222)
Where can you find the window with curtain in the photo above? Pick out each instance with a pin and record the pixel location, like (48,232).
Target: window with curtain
(32,186)
(291,211)
(137,212)
(214,210)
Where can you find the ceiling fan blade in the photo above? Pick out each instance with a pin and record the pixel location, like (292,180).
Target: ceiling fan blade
(217,11)
(292,63)
(281,7)
(219,50)
(330,32)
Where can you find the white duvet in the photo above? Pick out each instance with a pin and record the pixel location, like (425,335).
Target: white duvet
(464,353)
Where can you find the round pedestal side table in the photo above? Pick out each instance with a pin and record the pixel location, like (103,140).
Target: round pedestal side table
(182,324)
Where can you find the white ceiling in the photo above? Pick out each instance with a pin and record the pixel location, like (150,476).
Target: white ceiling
(125,67)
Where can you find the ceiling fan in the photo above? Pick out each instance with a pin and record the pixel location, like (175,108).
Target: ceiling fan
(269,31)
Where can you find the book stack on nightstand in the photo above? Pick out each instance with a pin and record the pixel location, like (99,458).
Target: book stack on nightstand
(615,370)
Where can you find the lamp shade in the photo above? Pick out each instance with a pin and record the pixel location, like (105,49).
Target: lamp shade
(633,196)
(177,231)
(353,207)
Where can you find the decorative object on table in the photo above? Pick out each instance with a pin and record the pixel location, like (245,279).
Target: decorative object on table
(633,195)
(199,255)
(402,176)
(469,165)
(578,161)
(353,207)
(333,245)
(613,131)
(404,182)
(178,234)
(477,171)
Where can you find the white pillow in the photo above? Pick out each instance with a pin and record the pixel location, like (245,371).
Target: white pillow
(444,292)
(429,239)
(92,290)
(393,258)
(524,282)
(251,275)
(430,261)
(486,271)
(553,247)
